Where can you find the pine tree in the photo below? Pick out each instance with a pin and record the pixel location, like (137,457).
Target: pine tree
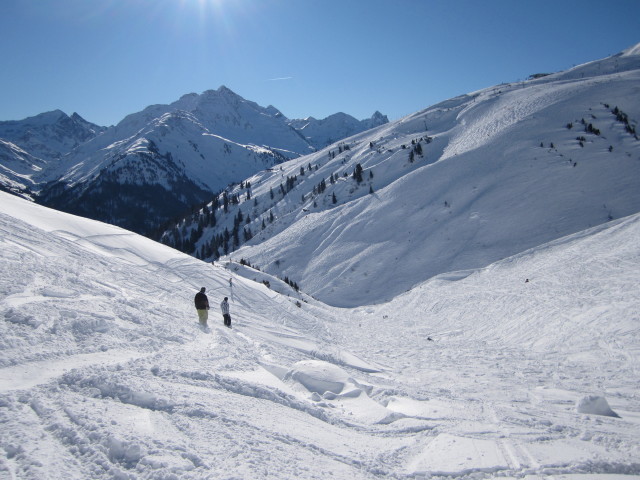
(357,173)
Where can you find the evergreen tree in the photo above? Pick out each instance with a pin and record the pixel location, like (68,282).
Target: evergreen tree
(236,237)
(225,202)
(357,173)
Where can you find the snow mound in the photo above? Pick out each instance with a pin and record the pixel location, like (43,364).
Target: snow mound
(595,405)
(323,378)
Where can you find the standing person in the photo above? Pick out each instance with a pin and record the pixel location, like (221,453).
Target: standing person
(202,306)
(224,306)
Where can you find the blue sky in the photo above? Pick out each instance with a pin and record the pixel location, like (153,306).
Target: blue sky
(107,58)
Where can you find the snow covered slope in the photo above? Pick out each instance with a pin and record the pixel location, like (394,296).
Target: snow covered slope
(457,186)
(104,373)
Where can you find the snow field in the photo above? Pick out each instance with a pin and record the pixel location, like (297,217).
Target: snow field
(473,374)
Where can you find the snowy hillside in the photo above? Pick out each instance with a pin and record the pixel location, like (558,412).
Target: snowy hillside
(525,369)
(457,186)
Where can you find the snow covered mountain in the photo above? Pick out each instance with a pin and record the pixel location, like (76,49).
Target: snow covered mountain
(454,187)
(18,169)
(153,165)
(49,136)
(159,162)
(525,369)
(322,133)
(31,149)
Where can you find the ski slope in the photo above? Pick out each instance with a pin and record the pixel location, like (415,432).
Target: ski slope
(105,374)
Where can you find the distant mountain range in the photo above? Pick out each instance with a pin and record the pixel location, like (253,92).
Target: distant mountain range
(322,133)
(157,163)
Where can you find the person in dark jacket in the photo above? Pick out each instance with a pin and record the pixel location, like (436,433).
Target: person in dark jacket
(202,306)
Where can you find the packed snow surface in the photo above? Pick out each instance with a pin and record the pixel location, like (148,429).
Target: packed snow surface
(496,372)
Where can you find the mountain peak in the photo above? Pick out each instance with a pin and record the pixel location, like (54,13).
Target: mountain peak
(49,117)
(378,119)
(224,90)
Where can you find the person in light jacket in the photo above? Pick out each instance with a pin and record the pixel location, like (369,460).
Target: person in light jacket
(202,306)
(224,306)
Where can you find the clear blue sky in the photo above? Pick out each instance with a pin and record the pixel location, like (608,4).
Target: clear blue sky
(107,58)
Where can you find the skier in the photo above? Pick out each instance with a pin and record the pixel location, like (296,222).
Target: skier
(224,306)
(202,305)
